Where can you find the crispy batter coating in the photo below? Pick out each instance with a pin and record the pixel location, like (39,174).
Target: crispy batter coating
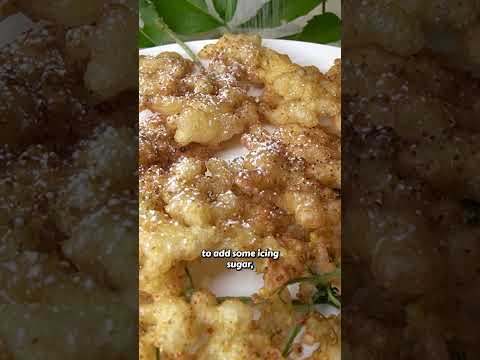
(320,151)
(282,194)
(156,145)
(327,330)
(292,94)
(304,96)
(158,76)
(204,109)
(112,66)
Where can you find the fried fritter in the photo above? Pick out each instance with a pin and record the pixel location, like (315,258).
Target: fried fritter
(282,194)
(320,151)
(292,94)
(202,109)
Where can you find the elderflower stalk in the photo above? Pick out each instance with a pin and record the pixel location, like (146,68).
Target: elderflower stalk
(164,27)
(149,16)
(291,338)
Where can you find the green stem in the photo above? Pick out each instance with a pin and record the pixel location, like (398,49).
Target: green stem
(189,277)
(147,36)
(244,299)
(164,27)
(291,338)
(332,298)
(315,279)
(190,288)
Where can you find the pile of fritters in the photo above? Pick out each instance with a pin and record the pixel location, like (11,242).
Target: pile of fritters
(283,194)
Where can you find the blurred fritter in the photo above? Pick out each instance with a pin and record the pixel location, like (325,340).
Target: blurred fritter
(41,97)
(68,174)
(411,178)
(101,33)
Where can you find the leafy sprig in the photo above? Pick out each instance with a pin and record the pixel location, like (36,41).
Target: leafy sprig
(324,28)
(225,8)
(187,17)
(154,31)
(278,12)
(291,338)
(327,294)
(164,21)
(315,279)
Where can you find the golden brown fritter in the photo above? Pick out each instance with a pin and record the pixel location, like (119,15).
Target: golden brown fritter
(320,151)
(200,108)
(292,94)
(282,194)
(156,145)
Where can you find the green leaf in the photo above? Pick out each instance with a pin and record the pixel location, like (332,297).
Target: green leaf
(149,36)
(201,4)
(327,294)
(143,40)
(225,8)
(317,279)
(152,33)
(322,29)
(323,279)
(277,12)
(186,16)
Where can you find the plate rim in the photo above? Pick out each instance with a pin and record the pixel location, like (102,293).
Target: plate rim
(265,41)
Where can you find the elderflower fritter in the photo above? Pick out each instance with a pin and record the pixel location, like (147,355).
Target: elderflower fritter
(282,195)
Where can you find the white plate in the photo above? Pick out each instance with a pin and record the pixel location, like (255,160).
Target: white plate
(211,273)
(302,53)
